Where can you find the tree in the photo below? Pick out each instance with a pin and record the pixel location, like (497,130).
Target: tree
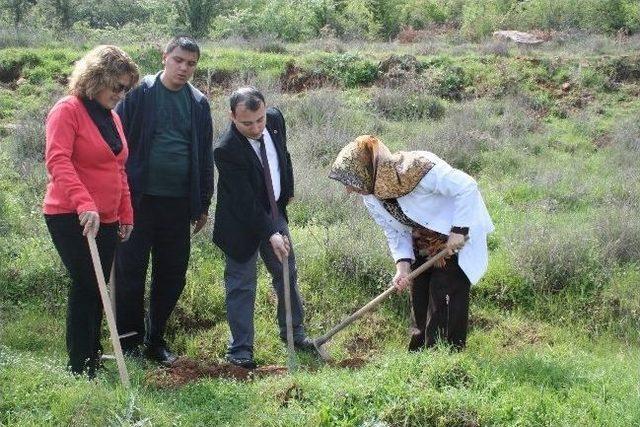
(63,10)
(196,15)
(17,9)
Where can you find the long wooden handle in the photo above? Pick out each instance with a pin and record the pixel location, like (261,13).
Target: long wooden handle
(377,300)
(112,287)
(108,310)
(289,320)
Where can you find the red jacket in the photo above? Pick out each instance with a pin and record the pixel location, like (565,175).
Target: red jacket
(83,172)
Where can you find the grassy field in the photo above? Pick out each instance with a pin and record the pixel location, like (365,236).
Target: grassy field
(550,133)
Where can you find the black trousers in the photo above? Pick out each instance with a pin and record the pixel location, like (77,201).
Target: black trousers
(161,229)
(440,305)
(84,308)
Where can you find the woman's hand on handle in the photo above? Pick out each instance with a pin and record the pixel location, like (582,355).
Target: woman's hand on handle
(400,280)
(455,242)
(90,220)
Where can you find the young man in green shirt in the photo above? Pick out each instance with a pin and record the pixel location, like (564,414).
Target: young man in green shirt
(168,126)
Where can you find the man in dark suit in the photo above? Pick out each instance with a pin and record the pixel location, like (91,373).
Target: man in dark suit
(254,187)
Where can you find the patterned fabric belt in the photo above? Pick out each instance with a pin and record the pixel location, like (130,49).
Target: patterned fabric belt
(428,243)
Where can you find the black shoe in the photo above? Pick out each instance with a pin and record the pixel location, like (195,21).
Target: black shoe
(243,362)
(416,343)
(160,354)
(305,344)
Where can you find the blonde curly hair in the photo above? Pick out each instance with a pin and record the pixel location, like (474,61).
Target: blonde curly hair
(101,68)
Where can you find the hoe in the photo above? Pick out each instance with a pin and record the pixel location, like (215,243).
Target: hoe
(320,341)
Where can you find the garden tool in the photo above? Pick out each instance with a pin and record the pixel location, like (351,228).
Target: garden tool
(320,341)
(108,310)
(112,295)
(291,360)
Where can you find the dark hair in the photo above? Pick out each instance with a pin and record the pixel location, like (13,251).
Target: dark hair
(184,42)
(251,97)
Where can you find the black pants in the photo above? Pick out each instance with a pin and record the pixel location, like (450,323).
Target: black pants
(440,305)
(161,229)
(84,308)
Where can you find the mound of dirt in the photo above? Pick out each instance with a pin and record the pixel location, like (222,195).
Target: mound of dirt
(397,70)
(296,79)
(186,370)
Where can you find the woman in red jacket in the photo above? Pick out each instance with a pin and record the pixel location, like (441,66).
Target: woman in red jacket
(87,192)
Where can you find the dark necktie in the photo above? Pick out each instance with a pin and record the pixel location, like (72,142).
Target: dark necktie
(267,178)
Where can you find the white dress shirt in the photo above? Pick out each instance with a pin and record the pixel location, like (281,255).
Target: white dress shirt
(272,158)
(444,198)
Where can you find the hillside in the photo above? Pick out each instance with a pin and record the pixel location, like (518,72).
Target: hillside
(550,133)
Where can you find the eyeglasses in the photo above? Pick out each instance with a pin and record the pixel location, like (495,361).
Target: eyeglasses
(119,88)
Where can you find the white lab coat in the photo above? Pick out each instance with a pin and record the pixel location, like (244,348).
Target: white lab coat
(444,198)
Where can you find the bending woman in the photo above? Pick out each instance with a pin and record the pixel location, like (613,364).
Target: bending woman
(424,206)
(87,192)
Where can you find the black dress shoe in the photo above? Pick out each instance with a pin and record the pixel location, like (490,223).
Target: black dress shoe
(243,362)
(305,344)
(160,354)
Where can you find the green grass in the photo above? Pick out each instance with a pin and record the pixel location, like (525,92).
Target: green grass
(515,372)
(554,322)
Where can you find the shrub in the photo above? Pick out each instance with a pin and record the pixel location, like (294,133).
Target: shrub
(269,44)
(449,81)
(632,16)
(481,17)
(195,15)
(407,104)
(420,13)
(290,21)
(625,149)
(350,69)
(357,20)
(558,257)
(466,132)
(319,126)
(26,145)
(618,231)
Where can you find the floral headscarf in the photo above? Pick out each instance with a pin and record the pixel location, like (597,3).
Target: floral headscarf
(368,165)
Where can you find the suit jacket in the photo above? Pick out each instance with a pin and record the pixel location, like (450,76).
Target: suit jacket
(242,218)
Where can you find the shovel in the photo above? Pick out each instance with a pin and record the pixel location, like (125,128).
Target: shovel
(108,310)
(320,341)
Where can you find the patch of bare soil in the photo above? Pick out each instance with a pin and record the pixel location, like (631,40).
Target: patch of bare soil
(186,370)
(296,79)
(351,363)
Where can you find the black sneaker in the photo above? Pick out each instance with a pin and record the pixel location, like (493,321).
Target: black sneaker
(243,362)
(160,354)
